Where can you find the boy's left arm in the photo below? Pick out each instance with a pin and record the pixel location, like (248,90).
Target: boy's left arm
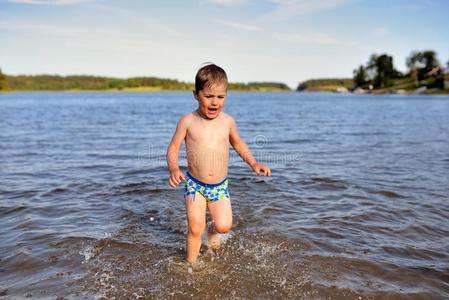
(243,151)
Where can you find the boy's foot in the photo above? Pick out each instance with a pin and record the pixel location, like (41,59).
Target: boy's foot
(213,240)
(197,266)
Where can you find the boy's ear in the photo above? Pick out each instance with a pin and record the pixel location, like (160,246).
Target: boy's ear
(195,95)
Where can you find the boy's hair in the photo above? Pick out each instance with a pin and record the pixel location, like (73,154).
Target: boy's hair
(209,75)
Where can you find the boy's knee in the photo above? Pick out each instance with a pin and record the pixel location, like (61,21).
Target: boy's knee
(223,228)
(196,228)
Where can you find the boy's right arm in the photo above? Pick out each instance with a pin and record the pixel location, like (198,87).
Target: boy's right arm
(173,153)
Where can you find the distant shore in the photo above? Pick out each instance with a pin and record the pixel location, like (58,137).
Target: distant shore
(83,83)
(138,90)
(405,86)
(75,83)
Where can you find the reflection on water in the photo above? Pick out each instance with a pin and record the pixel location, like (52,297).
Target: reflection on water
(356,207)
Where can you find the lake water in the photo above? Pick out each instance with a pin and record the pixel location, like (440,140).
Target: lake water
(357,206)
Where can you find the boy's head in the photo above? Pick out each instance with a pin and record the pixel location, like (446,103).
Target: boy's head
(211,84)
(210,75)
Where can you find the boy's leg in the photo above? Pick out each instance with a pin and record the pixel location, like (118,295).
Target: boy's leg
(196,218)
(221,214)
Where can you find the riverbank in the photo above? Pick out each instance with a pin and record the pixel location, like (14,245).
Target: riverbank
(135,84)
(429,86)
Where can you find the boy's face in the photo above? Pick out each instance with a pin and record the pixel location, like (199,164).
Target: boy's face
(211,100)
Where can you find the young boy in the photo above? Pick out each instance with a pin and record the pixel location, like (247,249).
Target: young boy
(207,133)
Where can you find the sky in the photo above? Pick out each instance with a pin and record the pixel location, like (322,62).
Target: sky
(285,41)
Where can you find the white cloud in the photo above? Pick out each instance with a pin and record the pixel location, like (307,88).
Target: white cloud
(93,35)
(49,2)
(286,8)
(306,38)
(152,24)
(228,2)
(380,31)
(241,26)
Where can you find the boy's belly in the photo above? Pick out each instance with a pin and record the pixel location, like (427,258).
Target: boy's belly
(209,166)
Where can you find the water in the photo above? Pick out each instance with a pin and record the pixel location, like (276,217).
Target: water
(357,206)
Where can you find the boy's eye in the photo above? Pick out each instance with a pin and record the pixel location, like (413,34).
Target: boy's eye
(212,96)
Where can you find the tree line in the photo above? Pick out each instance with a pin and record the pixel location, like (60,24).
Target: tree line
(86,82)
(3,82)
(92,83)
(379,72)
(325,84)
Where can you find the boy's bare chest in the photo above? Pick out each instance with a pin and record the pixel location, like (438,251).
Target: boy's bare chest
(211,134)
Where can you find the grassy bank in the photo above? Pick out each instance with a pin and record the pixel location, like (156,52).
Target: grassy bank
(325,84)
(405,85)
(135,84)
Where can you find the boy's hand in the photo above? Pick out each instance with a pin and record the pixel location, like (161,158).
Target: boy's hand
(176,177)
(260,168)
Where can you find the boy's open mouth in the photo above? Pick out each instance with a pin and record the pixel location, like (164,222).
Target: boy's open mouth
(212,109)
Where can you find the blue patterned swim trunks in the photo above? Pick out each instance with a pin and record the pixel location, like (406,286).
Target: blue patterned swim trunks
(211,192)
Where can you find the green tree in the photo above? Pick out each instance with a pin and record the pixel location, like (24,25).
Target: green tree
(413,61)
(3,82)
(381,70)
(429,60)
(360,77)
(421,63)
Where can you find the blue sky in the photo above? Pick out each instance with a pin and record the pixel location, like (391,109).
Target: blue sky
(253,40)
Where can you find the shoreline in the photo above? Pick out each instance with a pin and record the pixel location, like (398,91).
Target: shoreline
(433,93)
(138,90)
(379,93)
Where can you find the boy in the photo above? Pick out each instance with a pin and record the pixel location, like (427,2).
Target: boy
(207,133)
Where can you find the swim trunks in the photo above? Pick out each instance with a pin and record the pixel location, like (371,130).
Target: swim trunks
(211,192)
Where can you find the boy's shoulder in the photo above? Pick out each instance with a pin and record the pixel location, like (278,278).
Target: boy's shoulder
(187,118)
(227,117)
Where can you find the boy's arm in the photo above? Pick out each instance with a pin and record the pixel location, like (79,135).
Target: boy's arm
(173,153)
(243,151)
